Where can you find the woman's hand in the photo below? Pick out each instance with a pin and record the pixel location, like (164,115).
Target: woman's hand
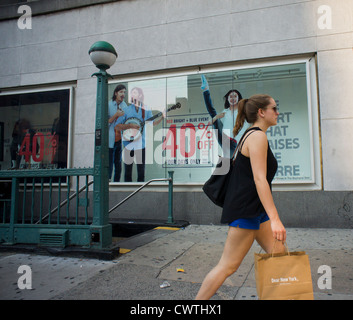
(278,230)
(218,116)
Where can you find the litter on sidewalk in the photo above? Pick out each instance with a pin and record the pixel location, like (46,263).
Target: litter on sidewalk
(165,284)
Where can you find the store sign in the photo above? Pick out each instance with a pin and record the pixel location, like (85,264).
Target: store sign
(189,141)
(290,144)
(35,147)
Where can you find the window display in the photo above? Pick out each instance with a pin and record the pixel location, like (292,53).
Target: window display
(189,139)
(35,130)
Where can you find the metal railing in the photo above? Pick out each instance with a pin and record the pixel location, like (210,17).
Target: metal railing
(67,200)
(30,213)
(170,195)
(29,217)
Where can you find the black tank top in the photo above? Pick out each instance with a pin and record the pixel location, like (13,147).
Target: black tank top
(242,200)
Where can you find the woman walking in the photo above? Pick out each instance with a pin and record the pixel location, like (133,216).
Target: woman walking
(249,209)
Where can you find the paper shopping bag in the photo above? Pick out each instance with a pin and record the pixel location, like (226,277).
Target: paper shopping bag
(283,276)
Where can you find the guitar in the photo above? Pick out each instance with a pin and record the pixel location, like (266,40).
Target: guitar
(135,134)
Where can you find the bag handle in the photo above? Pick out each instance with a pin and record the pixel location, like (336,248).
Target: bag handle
(274,244)
(242,140)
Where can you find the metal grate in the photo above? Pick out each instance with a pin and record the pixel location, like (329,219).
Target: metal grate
(54,238)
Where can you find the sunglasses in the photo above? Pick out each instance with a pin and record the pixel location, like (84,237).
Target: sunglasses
(275,108)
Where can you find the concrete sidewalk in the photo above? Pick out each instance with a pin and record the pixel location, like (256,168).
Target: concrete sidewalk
(181,258)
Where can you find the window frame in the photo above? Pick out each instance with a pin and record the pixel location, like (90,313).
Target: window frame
(313,116)
(70,112)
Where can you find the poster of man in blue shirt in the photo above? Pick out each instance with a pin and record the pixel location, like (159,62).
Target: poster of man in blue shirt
(115,110)
(132,124)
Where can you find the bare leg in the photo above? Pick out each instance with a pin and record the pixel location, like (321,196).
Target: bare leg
(238,243)
(264,238)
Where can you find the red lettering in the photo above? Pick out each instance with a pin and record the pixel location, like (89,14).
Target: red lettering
(172,146)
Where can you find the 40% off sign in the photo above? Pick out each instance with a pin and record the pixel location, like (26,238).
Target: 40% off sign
(47,145)
(189,144)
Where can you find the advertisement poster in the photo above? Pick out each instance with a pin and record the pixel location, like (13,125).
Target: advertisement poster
(189,141)
(186,142)
(290,143)
(38,149)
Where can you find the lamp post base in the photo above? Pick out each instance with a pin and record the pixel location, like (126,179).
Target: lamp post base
(101,236)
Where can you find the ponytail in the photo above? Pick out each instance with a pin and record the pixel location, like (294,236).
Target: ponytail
(241,117)
(248,108)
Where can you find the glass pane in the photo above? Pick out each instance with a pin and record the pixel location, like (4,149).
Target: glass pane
(35,130)
(290,139)
(143,105)
(199,122)
(189,143)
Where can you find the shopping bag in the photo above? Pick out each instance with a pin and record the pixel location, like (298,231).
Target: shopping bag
(283,276)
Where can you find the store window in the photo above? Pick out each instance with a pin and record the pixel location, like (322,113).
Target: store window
(185,140)
(34,130)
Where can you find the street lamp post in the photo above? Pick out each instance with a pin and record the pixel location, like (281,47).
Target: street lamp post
(103,55)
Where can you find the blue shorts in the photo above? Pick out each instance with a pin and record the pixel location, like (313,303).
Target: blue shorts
(250,223)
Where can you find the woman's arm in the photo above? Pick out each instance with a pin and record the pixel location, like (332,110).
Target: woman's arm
(209,105)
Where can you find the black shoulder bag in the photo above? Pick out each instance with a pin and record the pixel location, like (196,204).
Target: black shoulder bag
(216,186)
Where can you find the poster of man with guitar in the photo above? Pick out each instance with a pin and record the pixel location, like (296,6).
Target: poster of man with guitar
(115,110)
(132,124)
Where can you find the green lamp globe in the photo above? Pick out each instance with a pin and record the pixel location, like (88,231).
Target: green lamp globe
(103,54)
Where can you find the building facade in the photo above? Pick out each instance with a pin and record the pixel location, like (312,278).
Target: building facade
(298,51)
